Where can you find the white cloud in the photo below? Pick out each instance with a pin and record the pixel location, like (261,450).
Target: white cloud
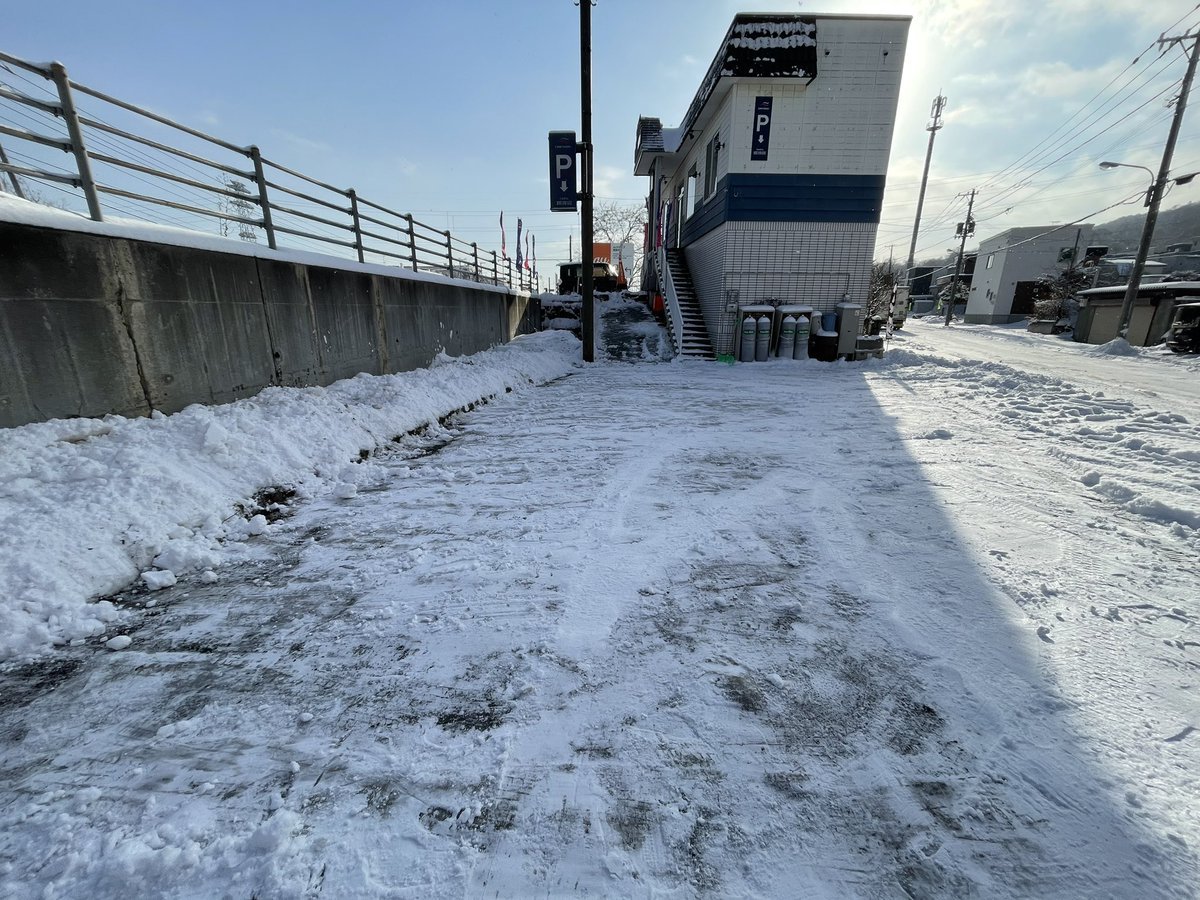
(301,142)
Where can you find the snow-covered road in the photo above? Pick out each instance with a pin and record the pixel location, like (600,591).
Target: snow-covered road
(922,627)
(1153,378)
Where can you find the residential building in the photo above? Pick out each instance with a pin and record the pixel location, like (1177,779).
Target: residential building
(1010,264)
(769,190)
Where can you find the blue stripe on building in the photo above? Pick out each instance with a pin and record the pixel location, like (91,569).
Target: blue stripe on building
(788,198)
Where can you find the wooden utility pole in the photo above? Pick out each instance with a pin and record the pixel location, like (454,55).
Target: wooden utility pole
(1157,189)
(939,104)
(965,229)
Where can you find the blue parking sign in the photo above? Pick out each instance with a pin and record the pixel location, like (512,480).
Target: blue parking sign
(760,142)
(563,194)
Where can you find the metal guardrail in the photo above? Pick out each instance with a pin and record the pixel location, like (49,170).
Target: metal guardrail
(244,189)
(670,300)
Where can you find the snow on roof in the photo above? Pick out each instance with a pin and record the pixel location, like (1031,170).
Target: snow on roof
(1153,288)
(649,134)
(757,45)
(777,45)
(672,138)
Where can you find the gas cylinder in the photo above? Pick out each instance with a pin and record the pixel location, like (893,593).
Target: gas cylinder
(802,326)
(749,326)
(762,341)
(787,337)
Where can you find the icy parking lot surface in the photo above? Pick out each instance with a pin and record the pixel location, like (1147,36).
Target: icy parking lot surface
(923,627)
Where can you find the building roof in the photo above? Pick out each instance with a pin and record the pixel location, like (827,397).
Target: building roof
(1158,287)
(757,45)
(1026,233)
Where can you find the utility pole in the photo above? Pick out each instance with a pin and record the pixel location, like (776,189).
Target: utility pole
(1154,198)
(585,244)
(965,229)
(939,104)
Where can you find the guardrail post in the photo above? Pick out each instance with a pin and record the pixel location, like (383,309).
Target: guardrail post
(264,203)
(12,176)
(59,74)
(449,253)
(358,245)
(475,256)
(412,241)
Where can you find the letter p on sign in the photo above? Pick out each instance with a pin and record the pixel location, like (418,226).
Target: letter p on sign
(563,163)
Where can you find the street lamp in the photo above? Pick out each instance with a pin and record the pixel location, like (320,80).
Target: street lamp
(1114,165)
(1154,195)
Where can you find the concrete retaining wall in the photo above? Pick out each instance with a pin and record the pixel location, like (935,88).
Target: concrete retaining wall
(92,324)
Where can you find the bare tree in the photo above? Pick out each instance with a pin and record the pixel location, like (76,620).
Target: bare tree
(623,226)
(879,293)
(1053,293)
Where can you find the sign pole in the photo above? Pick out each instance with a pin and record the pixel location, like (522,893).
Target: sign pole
(585,249)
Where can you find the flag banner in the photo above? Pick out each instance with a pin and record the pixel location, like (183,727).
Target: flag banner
(503,243)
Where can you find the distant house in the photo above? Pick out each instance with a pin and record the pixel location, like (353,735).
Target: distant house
(1010,264)
(1150,317)
(1114,270)
(769,191)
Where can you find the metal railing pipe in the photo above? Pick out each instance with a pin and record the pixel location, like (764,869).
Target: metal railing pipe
(17,97)
(59,75)
(309,197)
(43,70)
(308,234)
(185,207)
(381,237)
(40,173)
(166,148)
(412,242)
(300,175)
(279,207)
(84,89)
(178,179)
(358,241)
(263,201)
(35,138)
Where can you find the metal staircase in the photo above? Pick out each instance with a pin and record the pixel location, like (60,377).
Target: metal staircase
(688,331)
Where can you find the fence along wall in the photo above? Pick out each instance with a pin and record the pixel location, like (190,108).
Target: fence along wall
(94,324)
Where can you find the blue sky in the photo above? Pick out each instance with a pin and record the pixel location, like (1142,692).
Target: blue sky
(442,109)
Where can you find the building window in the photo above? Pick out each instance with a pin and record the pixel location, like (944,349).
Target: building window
(710,164)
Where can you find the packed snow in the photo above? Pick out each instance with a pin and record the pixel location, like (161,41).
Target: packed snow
(89,505)
(923,626)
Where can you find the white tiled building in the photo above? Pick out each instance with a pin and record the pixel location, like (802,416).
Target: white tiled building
(773,183)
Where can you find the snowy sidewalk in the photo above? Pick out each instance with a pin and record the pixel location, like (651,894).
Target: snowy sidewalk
(685,629)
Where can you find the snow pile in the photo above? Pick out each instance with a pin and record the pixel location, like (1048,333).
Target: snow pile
(88,505)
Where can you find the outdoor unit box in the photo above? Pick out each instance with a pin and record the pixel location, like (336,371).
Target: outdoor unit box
(848,328)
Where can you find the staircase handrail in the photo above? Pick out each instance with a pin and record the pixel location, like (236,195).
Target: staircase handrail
(670,301)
